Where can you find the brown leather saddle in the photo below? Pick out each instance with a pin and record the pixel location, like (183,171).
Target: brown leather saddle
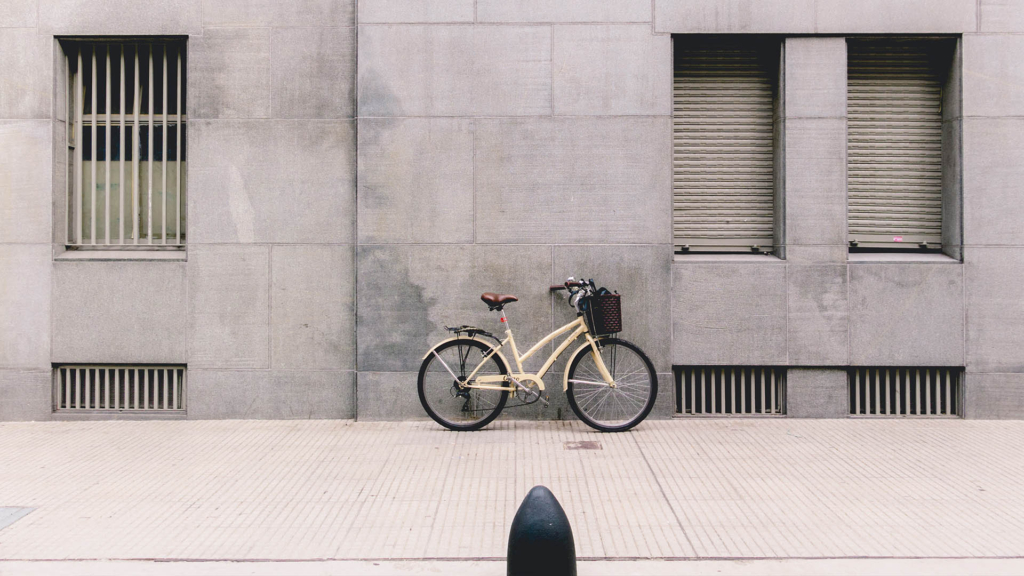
(497,301)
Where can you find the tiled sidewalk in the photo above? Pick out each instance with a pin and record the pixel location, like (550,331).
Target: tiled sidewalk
(670,489)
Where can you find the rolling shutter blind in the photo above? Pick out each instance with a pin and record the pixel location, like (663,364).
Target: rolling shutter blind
(722,147)
(894,147)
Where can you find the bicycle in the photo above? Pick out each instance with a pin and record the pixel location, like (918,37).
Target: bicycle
(465,381)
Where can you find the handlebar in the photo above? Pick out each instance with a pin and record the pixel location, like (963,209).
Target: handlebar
(577,290)
(566,286)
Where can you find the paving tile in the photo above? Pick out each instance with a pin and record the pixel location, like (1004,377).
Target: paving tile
(338,490)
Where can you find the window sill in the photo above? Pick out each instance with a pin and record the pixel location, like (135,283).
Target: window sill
(713,257)
(880,257)
(121,255)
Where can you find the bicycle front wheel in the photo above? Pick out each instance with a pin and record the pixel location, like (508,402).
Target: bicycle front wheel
(444,385)
(607,408)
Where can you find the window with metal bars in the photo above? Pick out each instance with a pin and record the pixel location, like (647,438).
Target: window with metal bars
(914,392)
(118,388)
(895,142)
(724,98)
(730,390)
(127,128)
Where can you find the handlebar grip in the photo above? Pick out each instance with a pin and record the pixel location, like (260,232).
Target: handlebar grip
(555,287)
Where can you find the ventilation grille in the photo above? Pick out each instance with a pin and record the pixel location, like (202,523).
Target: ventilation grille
(733,390)
(119,388)
(913,392)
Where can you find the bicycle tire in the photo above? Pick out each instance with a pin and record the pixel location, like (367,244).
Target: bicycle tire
(442,397)
(634,396)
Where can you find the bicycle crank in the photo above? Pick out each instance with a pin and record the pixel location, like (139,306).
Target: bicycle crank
(530,392)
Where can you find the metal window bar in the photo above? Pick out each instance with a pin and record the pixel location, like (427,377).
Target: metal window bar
(926,392)
(107,388)
(126,103)
(730,390)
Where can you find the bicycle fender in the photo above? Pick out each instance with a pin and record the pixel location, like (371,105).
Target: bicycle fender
(565,377)
(508,367)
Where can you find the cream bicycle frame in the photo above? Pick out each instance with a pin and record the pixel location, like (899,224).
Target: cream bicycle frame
(504,382)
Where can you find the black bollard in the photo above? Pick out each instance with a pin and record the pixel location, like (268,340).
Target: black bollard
(540,542)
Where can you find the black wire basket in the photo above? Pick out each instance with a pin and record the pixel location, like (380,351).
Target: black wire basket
(603,314)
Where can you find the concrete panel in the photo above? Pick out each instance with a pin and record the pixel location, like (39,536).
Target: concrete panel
(415,180)
(993,68)
(25,306)
(563,11)
(312,300)
(383,396)
(665,405)
(26,73)
(274,395)
(18,13)
(313,72)
(1001,16)
(229,306)
(119,312)
(995,319)
(611,69)
(25,395)
(277,181)
(816,183)
(390,396)
(734,16)
(272,13)
(992,173)
(584,180)
(819,319)
(952,188)
(406,11)
(906,314)
(952,156)
(641,274)
(902,17)
(229,74)
(811,254)
(817,393)
(26,195)
(413,70)
(729,313)
(117,17)
(994,396)
(815,80)
(408,294)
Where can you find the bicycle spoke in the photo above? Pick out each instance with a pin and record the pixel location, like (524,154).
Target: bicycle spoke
(604,405)
(446,392)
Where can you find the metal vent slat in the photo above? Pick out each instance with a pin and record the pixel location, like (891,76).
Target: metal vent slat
(730,390)
(107,388)
(905,392)
(722,148)
(894,147)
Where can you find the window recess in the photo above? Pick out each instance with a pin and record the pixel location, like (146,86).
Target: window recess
(723,153)
(127,128)
(894,142)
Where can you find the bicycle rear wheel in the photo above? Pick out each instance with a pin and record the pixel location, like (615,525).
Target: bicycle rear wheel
(612,409)
(443,380)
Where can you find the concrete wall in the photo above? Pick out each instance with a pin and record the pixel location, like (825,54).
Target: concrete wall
(360,173)
(261,308)
(504,146)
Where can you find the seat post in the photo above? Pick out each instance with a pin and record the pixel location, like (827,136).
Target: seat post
(504,319)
